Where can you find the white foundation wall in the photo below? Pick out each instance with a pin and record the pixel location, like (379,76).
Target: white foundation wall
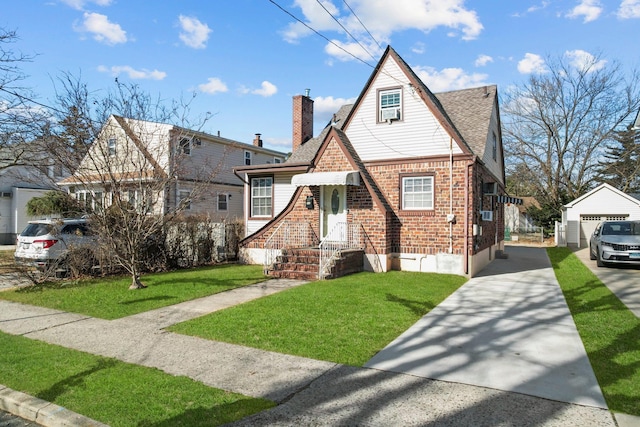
(438,263)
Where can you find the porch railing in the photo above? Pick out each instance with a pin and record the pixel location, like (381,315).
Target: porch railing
(343,236)
(289,234)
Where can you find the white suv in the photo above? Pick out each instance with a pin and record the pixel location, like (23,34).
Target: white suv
(46,242)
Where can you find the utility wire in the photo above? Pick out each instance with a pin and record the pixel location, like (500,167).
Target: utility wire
(321,35)
(361,23)
(347,31)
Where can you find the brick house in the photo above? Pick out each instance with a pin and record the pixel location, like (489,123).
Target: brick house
(404,179)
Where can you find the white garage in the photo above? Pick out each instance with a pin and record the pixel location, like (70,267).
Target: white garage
(603,203)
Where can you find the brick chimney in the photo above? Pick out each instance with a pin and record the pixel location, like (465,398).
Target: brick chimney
(302,119)
(257,141)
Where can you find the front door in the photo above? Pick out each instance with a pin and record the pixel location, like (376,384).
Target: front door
(334,210)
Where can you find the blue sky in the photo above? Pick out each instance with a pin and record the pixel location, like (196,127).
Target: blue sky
(245,59)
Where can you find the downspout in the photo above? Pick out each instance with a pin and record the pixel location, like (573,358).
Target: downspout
(451,195)
(466,218)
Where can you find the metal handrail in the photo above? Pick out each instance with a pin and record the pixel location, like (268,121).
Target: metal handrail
(289,234)
(342,236)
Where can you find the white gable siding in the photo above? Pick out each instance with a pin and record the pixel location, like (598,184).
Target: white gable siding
(417,134)
(605,202)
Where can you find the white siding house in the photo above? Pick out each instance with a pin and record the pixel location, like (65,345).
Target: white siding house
(581,216)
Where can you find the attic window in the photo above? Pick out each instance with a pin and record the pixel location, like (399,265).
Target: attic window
(495,147)
(390,105)
(111,146)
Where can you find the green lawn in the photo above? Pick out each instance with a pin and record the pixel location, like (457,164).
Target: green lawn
(345,320)
(116,393)
(609,331)
(111,298)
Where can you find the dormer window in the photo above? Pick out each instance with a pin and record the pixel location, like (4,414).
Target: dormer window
(390,105)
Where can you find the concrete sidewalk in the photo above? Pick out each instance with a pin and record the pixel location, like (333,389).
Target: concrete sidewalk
(507,314)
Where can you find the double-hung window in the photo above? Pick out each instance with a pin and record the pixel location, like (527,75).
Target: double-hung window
(223,202)
(247,158)
(111,146)
(185,146)
(390,104)
(417,192)
(184,199)
(261,196)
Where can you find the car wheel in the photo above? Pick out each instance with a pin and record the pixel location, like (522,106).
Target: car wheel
(591,254)
(599,261)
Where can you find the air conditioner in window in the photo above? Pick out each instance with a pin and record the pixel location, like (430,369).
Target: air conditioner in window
(490,188)
(487,215)
(389,114)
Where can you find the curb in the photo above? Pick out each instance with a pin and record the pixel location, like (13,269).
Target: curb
(42,412)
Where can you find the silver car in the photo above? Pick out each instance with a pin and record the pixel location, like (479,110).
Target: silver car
(616,242)
(46,242)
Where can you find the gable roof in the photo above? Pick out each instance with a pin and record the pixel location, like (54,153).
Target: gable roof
(430,100)
(601,187)
(470,110)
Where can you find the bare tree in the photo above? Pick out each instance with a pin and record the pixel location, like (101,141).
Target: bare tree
(556,124)
(21,120)
(132,166)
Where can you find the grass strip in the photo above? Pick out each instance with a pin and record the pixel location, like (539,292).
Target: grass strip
(114,392)
(609,330)
(345,320)
(110,298)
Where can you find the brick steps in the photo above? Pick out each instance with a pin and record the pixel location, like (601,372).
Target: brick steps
(304,264)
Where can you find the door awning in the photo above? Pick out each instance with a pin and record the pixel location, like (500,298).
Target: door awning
(326,178)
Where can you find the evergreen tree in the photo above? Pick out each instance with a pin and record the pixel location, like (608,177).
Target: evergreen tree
(620,166)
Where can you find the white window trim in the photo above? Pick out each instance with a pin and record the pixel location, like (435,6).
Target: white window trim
(227,197)
(277,160)
(398,107)
(248,155)
(431,193)
(112,144)
(180,197)
(252,197)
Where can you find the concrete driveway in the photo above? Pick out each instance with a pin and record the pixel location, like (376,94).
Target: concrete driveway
(624,281)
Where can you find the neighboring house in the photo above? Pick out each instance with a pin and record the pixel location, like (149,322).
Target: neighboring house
(157,167)
(412,179)
(25,172)
(516,217)
(603,203)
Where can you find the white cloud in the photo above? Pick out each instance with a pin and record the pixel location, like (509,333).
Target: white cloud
(194,33)
(133,74)
(584,60)
(267,89)
(482,60)
(629,9)
(449,78)
(532,63)
(589,9)
(349,51)
(418,48)
(102,30)
(383,18)
(325,107)
(79,4)
(213,85)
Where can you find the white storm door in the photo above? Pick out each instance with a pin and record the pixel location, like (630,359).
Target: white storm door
(334,211)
